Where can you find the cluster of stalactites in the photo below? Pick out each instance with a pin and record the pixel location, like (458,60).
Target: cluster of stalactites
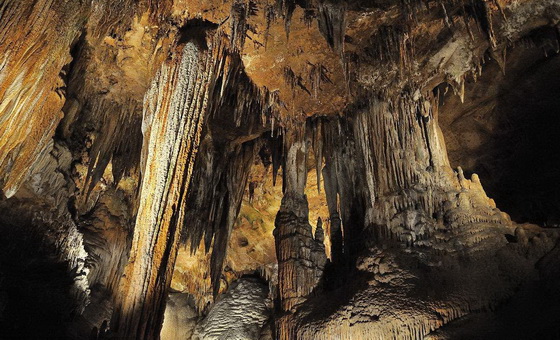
(250,106)
(241,10)
(238,113)
(330,16)
(344,182)
(411,189)
(400,140)
(110,147)
(214,200)
(401,148)
(394,43)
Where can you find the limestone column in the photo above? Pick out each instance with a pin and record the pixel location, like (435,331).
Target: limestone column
(301,259)
(174,110)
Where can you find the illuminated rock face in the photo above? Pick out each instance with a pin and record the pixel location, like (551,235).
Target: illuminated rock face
(32,80)
(278,169)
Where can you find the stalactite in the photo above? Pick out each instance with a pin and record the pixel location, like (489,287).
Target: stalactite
(294,80)
(331,192)
(286,7)
(391,44)
(277,147)
(241,10)
(219,182)
(271,16)
(236,184)
(309,14)
(332,23)
(317,145)
(318,74)
(410,9)
(251,106)
(111,147)
(174,110)
(343,190)
(482,15)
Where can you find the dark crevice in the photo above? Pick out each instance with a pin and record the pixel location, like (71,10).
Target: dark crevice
(507,131)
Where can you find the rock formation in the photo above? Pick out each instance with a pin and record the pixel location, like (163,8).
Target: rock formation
(279,169)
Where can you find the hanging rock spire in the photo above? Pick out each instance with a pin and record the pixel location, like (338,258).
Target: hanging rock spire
(332,23)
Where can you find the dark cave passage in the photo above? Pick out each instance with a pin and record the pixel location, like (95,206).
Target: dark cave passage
(34,287)
(507,131)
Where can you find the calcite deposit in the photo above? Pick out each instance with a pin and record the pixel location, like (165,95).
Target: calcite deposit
(279,169)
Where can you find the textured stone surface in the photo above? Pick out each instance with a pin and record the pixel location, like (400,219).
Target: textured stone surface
(180,317)
(32,73)
(172,127)
(241,313)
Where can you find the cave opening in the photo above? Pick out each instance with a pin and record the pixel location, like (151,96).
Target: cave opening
(507,129)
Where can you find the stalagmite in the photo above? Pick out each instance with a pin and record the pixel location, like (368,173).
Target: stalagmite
(301,259)
(297,268)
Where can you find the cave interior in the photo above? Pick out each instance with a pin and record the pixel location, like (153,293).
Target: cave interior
(279,169)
